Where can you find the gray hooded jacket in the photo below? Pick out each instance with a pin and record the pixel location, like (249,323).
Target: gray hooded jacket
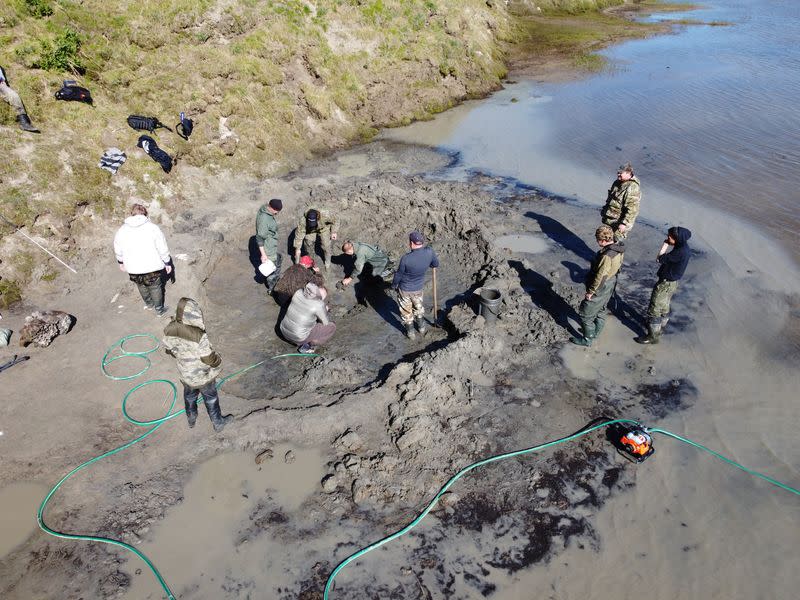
(307,306)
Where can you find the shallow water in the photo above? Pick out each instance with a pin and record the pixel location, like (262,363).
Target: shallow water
(214,535)
(706,116)
(18,504)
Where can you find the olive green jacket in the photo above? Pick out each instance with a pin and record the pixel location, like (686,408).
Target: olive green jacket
(365,253)
(267,232)
(605,266)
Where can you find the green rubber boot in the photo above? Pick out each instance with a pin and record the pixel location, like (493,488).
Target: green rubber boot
(587,338)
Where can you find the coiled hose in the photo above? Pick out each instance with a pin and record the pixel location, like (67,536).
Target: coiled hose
(108,358)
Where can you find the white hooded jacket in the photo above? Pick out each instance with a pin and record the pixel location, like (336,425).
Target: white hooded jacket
(140,246)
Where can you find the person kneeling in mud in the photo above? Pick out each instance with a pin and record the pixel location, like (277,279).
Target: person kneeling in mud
(199,366)
(300,323)
(295,278)
(601,281)
(366,254)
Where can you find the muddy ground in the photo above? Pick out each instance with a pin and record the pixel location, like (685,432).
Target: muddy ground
(391,419)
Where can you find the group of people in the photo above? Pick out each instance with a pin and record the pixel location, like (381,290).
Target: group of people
(302,288)
(618,216)
(142,252)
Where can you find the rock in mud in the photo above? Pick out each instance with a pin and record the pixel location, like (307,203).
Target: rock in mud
(42,327)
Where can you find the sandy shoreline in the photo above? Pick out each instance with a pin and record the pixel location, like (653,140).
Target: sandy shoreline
(391,422)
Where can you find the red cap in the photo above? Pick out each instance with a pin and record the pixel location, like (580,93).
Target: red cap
(306,261)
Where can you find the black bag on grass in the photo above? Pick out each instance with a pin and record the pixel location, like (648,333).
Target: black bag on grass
(141,123)
(72,92)
(149,145)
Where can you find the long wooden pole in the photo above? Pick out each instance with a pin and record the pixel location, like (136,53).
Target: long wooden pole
(435,300)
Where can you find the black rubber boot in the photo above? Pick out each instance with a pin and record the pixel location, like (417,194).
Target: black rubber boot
(421,326)
(410,331)
(653,333)
(191,412)
(25,123)
(214,413)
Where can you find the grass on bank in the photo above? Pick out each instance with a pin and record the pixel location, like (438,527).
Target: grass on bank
(288,77)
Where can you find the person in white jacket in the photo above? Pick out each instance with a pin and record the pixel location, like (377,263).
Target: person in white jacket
(142,253)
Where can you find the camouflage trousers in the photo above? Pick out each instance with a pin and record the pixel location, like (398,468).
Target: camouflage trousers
(308,240)
(410,306)
(12,97)
(660,298)
(618,235)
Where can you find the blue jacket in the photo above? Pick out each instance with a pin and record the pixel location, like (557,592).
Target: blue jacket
(673,263)
(410,275)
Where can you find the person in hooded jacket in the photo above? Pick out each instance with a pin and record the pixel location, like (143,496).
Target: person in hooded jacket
(673,258)
(300,323)
(142,253)
(601,281)
(199,365)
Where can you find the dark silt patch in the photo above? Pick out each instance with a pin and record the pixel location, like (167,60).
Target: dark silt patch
(661,399)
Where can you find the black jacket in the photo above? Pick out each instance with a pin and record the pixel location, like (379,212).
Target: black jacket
(673,263)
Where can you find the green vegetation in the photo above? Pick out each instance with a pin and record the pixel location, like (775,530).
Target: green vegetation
(10,293)
(287,77)
(39,8)
(61,54)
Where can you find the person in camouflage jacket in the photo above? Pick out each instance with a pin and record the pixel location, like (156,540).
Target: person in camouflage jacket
(622,204)
(315,224)
(601,281)
(199,365)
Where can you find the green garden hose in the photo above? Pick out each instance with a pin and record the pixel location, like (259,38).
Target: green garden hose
(156,423)
(468,468)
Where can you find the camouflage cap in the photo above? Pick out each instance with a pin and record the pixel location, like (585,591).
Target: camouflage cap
(604,233)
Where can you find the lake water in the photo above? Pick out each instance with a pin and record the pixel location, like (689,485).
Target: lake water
(707,117)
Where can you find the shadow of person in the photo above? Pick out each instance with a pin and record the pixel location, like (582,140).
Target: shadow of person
(626,314)
(373,292)
(562,236)
(254,255)
(541,290)
(577,273)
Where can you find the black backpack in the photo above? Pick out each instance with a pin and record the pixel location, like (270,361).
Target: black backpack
(145,123)
(184,128)
(71,91)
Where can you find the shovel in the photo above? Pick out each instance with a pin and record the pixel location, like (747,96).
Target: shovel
(435,300)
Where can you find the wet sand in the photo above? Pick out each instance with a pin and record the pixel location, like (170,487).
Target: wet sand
(392,420)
